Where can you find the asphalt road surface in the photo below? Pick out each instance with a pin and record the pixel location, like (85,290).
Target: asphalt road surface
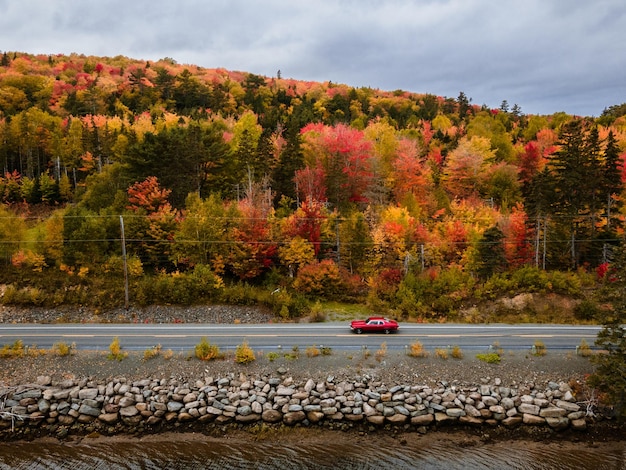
(272,337)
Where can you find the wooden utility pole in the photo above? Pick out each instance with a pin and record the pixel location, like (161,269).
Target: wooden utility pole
(125,264)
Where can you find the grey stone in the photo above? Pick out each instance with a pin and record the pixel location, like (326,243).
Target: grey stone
(526,408)
(174,406)
(89,410)
(566,405)
(128,411)
(552,412)
(455,412)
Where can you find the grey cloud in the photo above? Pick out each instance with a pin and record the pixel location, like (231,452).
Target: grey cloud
(560,55)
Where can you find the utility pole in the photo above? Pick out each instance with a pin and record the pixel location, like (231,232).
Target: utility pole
(125,264)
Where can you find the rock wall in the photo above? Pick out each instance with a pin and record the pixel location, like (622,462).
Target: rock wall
(151,405)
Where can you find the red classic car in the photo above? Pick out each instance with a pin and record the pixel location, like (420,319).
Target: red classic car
(374,325)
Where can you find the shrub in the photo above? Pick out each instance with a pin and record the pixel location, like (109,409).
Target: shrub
(151,352)
(286,305)
(25,296)
(587,310)
(34,351)
(326,350)
(441,353)
(206,351)
(168,354)
(312,351)
(63,349)
(294,354)
(16,349)
(319,279)
(489,358)
(456,352)
(244,354)
(115,350)
(416,349)
(272,356)
(317,314)
(583,349)
(539,349)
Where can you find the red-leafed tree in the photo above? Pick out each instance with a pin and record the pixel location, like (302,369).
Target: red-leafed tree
(254,249)
(344,156)
(310,184)
(530,161)
(307,223)
(517,236)
(148,196)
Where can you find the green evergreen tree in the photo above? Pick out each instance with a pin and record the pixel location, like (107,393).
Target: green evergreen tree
(577,176)
(491,258)
(612,182)
(610,374)
(290,161)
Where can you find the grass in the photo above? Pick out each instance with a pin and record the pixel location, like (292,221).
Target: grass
(272,356)
(337,311)
(381,352)
(489,358)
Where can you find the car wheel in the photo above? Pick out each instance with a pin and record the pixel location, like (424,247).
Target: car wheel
(387,332)
(358,331)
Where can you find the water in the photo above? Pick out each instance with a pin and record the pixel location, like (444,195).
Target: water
(311,451)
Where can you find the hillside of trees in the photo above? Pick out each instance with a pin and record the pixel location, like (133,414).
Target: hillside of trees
(155,182)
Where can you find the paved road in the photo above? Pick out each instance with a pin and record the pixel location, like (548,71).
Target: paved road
(271,337)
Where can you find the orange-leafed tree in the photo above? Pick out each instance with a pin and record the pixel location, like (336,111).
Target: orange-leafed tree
(410,174)
(254,248)
(307,222)
(150,231)
(465,167)
(518,247)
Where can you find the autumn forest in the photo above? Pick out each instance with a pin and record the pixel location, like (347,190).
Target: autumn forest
(178,184)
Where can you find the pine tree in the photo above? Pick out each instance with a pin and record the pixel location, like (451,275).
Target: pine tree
(610,374)
(491,255)
(612,181)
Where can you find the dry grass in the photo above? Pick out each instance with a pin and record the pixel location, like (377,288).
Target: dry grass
(381,352)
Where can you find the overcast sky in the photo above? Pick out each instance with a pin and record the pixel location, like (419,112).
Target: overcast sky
(544,55)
